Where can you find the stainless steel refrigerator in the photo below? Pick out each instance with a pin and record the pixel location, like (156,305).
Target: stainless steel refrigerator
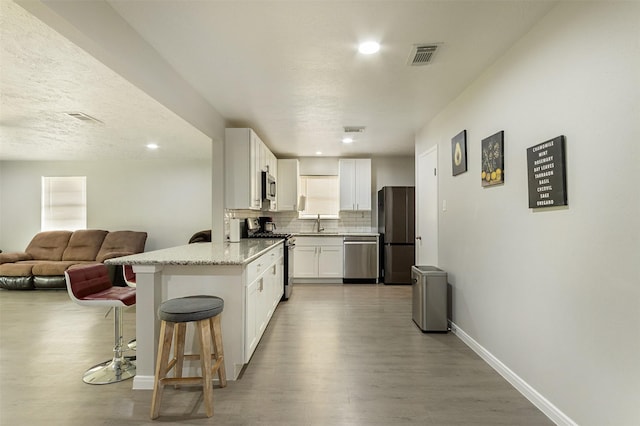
(396,225)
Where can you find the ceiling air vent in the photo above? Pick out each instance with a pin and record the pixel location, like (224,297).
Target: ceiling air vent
(354,129)
(422,54)
(83,117)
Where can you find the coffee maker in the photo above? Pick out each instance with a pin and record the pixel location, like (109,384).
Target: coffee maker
(266,224)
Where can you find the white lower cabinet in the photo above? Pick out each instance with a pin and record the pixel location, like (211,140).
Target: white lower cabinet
(318,257)
(265,285)
(251,335)
(330,261)
(305,263)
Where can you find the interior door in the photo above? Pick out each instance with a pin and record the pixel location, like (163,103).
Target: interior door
(427,208)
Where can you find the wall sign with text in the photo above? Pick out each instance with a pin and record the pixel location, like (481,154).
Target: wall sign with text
(547,174)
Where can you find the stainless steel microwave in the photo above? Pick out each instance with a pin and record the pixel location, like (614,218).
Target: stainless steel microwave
(268,187)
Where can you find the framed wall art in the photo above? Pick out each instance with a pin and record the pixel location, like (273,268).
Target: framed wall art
(547,174)
(493,160)
(459,153)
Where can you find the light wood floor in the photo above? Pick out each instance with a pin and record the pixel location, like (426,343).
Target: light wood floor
(332,355)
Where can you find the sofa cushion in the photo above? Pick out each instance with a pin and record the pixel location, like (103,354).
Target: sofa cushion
(84,244)
(14,257)
(48,245)
(56,268)
(49,282)
(16,283)
(19,269)
(121,243)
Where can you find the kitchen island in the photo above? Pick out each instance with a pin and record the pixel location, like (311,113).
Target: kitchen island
(248,275)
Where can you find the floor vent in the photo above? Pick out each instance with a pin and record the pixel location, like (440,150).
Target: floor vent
(422,54)
(354,129)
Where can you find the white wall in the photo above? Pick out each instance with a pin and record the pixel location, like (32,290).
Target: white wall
(319,166)
(554,294)
(169,200)
(392,171)
(389,171)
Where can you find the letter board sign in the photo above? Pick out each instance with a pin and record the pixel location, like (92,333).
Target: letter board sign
(547,174)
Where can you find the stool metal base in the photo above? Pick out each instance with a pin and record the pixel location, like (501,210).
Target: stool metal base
(112,371)
(117,369)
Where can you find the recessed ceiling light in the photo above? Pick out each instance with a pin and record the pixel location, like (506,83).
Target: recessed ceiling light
(318,152)
(152,146)
(347,140)
(368,47)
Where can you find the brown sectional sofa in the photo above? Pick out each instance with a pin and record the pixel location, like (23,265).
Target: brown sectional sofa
(50,253)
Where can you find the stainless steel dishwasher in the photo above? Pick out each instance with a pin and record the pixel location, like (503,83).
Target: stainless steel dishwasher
(360,259)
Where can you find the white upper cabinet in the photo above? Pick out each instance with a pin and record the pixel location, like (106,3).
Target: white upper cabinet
(355,184)
(245,158)
(287,184)
(272,167)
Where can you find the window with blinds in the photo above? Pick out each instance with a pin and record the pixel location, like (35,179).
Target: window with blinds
(64,203)
(322,194)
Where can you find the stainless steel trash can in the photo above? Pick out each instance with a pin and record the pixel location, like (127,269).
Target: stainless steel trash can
(429,298)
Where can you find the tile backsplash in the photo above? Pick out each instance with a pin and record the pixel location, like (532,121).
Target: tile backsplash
(348,222)
(359,221)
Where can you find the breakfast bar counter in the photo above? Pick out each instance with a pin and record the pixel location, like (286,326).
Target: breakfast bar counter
(248,275)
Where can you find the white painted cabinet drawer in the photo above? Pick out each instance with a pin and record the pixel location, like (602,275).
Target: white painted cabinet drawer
(261,264)
(256,268)
(319,241)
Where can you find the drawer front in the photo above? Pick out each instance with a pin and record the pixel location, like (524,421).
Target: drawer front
(256,268)
(275,253)
(261,264)
(319,241)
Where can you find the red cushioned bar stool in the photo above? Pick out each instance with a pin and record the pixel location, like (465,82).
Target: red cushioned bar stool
(90,286)
(130,280)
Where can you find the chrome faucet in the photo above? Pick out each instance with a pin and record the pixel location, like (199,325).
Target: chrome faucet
(320,229)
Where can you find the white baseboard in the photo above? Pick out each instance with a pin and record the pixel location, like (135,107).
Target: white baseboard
(316,281)
(543,404)
(143,382)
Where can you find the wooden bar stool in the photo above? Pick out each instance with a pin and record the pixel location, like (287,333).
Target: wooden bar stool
(174,315)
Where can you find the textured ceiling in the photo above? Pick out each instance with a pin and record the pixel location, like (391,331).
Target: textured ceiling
(44,76)
(288,69)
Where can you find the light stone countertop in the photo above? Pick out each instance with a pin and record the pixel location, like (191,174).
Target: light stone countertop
(335,234)
(214,253)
